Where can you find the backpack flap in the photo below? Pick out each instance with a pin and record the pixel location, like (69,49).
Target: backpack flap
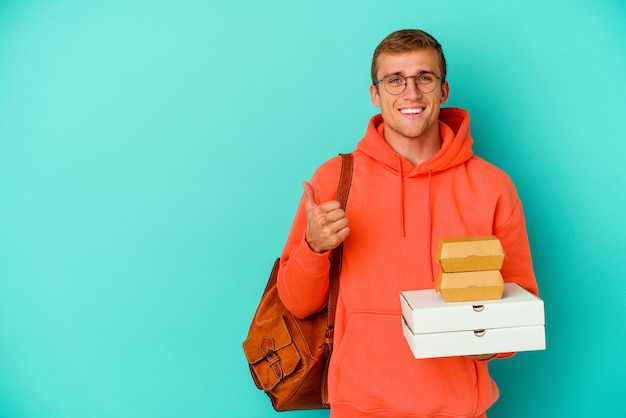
(271,359)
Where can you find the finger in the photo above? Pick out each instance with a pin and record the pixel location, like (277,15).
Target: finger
(309,195)
(337,238)
(333,214)
(330,206)
(343,234)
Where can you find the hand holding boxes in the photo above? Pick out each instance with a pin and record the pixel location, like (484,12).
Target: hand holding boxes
(486,316)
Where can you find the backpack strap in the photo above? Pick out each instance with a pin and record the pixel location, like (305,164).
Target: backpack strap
(343,189)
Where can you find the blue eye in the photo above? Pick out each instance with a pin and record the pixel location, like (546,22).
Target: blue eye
(395,80)
(426,78)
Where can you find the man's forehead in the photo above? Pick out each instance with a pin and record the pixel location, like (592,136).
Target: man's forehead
(415,61)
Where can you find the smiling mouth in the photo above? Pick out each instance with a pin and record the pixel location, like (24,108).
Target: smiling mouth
(411,111)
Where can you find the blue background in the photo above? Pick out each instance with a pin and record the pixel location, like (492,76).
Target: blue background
(151,156)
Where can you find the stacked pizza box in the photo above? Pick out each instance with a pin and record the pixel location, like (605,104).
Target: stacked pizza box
(472,311)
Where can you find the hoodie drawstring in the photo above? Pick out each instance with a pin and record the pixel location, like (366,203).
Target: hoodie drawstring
(402,227)
(430,224)
(429,214)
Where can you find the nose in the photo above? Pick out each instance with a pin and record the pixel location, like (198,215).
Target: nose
(411,87)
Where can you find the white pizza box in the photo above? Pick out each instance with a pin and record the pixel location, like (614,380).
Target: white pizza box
(474,342)
(435,328)
(425,311)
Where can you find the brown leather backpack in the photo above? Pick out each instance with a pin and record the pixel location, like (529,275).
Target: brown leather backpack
(288,357)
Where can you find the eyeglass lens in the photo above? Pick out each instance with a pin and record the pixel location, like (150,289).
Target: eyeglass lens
(396,84)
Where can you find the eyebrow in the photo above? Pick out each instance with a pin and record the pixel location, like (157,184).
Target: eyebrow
(402,73)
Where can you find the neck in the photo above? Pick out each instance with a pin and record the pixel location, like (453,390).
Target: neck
(416,150)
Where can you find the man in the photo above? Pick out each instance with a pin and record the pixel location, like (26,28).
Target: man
(415,181)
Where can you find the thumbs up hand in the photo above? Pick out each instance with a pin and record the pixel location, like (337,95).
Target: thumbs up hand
(327,225)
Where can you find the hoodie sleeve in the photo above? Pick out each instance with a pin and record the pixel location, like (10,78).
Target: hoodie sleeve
(510,228)
(303,274)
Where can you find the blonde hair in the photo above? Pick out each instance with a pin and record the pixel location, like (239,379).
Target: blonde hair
(407,40)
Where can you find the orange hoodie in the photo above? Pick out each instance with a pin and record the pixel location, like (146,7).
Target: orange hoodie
(397,214)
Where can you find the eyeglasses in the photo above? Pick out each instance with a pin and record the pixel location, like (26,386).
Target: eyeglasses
(396,84)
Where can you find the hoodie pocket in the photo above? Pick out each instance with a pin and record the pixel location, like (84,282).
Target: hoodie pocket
(374,370)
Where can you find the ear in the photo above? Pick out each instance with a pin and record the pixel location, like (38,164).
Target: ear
(445,92)
(374,95)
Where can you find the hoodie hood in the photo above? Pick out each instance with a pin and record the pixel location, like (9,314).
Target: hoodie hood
(454,128)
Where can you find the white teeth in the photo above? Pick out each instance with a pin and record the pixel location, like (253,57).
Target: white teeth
(411,111)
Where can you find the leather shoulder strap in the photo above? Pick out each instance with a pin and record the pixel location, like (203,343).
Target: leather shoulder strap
(345,179)
(343,190)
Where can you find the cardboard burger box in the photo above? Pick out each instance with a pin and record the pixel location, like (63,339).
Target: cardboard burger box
(473,253)
(470,268)
(434,328)
(466,286)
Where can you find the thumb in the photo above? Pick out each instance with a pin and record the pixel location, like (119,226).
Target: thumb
(309,195)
